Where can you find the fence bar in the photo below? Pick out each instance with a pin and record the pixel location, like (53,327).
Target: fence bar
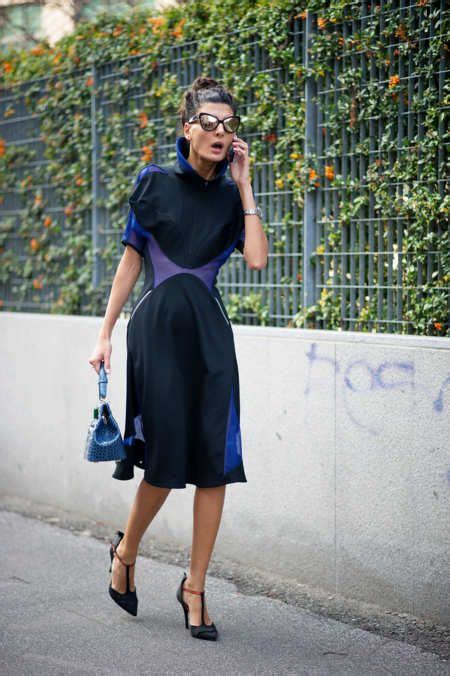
(308,295)
(95,150)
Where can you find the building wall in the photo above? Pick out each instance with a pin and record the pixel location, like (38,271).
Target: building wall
(56,18)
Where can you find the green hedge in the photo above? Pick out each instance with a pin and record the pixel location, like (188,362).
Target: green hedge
(58,265)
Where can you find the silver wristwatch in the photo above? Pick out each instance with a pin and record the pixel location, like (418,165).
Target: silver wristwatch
(256,210)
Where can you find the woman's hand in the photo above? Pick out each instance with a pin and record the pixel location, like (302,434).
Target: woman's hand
(240,166)
(102,352)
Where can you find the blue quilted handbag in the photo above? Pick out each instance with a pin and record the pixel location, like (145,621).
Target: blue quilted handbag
(104,440)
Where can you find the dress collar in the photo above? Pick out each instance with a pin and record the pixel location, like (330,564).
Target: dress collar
(183,167)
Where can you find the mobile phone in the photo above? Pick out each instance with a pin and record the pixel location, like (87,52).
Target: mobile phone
(230,155)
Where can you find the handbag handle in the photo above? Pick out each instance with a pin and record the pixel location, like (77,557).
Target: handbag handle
(102,382)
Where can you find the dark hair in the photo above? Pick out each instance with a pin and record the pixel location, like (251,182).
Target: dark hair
(203,90)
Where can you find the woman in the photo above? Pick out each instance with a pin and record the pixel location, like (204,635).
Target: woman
(182,409)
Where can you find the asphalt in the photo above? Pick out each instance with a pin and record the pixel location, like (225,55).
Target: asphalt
(57,618)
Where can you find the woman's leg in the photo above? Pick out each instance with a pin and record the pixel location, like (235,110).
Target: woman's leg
(147,502)
(208,506)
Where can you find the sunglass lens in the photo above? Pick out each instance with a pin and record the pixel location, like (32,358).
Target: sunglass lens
(232,124)
(208,122)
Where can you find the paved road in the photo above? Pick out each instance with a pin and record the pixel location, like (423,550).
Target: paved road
(57,618)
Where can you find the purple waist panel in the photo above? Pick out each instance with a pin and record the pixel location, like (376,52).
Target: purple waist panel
(164,268)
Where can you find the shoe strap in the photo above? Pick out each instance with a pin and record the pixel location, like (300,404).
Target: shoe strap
(192,590)
(116,553)
(200,593)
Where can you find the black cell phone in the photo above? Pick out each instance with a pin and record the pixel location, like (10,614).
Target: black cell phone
(230,155)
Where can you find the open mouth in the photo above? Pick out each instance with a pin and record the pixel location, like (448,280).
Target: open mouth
(217,146)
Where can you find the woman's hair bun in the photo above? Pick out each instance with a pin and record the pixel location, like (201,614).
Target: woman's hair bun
(202,82)
(203,89)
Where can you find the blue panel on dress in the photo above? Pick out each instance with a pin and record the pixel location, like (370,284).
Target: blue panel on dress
(233,444)
(134,234)
(138,432)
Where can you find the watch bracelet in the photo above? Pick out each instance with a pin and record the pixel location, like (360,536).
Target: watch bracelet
(253,211)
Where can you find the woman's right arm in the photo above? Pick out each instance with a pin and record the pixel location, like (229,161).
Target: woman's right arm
(125,278)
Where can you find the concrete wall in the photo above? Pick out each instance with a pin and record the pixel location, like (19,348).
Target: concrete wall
(345,446)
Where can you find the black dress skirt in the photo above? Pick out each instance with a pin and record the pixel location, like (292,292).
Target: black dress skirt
(182,407)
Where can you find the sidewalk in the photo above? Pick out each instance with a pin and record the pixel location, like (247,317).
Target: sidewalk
(57,618)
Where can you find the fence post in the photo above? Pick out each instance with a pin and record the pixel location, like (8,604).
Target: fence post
(95,181)
(309,205)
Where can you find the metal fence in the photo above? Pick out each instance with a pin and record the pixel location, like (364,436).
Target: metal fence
(367,266)
(357,261)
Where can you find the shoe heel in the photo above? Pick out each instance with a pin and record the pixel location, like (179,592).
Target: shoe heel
(183,604)
(186,614)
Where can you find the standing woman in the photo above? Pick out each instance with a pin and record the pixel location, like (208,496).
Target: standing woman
(182,408)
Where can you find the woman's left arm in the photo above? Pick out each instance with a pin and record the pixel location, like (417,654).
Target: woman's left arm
(256,246)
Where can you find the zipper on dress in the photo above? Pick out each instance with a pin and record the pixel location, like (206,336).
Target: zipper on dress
(142,299)
(215,298)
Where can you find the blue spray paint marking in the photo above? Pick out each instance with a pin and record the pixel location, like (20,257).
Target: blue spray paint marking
(438,403)
(312,356)
(389,375)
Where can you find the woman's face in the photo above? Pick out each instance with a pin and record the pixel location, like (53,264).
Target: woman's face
(201,141)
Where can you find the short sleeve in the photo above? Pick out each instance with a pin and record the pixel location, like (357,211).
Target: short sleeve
(134,234)
(131,236)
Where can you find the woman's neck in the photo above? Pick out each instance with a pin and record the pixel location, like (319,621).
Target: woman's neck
(204,168)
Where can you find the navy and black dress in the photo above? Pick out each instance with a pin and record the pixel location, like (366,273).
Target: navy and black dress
(182,408)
